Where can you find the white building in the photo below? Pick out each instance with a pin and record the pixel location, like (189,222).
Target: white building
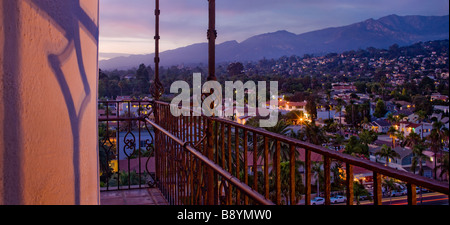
(418,128)
(442,108)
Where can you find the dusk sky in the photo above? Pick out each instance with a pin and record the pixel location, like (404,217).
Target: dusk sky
(127,26)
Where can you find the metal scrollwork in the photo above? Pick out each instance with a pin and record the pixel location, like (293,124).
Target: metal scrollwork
(150,148)
(107,145)
(130,143)
(157,89)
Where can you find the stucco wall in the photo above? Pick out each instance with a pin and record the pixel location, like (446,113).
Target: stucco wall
(48,95)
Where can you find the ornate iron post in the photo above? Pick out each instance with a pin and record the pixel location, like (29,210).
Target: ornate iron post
(156,92)
(157,89)
(211,35)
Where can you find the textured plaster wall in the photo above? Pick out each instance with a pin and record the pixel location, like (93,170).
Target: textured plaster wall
(48,102)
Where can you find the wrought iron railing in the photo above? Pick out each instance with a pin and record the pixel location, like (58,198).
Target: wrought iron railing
(208,160)
(126,145)
(215,161)
(265,161)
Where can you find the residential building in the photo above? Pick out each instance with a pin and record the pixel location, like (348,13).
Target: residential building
(404,162)
(409,127)
(443,108)
(379,126)
(437,96)
(343,87)
(290,106)
(403,105)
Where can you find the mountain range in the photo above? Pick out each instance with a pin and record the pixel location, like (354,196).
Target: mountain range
(380,33)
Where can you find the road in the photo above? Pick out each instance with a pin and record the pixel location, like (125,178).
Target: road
(432,198)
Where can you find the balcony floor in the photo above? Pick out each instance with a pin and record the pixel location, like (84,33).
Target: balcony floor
(147,196)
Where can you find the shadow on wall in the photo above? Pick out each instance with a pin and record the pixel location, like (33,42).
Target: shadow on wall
(69,18)
(11,125)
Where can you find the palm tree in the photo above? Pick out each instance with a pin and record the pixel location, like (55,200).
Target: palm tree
(328,93)
(401,116)
(418,157)
(121,85)
(331,126)
(282,127)
(412,139)
(400,135)
(392,133)
(421,116)
(367,137)
(441,130)
(360,147)
(355,147)
(339,107)
(285,180)
(311,133)
(337,177)
(337,141)
(365,122)
(387,153)
(314,134)
(439,127)
(418,146)
(382,85)
(391,118)
(294,116)
(360,190)
(318,174)
(352,102)
(444,166)
(435,143)
(436,138)
(389,185)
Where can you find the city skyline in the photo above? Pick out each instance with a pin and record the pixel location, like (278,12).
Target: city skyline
(127,27)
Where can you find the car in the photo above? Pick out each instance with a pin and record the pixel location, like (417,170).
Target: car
(404,191)
(317,201)
(424,190)
(338,199)
(365,197)
(396,193)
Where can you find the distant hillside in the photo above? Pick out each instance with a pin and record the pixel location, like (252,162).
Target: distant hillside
(381,33)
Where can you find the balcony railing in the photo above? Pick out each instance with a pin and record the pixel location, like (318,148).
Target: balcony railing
(126,145)
(215,161)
